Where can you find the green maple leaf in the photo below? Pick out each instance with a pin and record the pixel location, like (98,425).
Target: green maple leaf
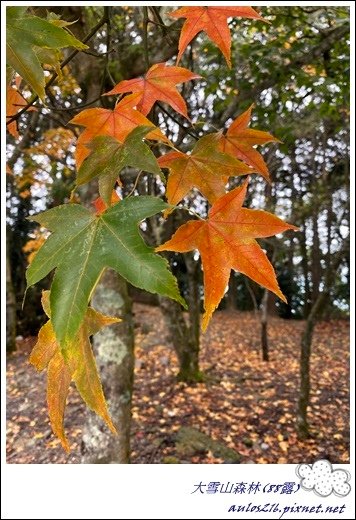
(109,156)
(82,244)
(24,35)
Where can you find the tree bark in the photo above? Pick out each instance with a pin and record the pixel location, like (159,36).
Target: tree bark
(114,348)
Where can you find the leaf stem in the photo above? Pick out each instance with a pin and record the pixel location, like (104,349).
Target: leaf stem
(191,211)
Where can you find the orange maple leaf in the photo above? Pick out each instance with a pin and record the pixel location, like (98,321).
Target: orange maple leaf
(239,141)
(159,84)
(117,123)
(14,103)
(77,365)
(212,20)
(207,169)
(227,241)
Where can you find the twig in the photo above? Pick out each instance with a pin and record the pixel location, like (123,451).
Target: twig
(108,41)
(98,54)
(177,121)
(58,120)
(135,185)
(62,65)
(145,36)
(70,109)
(159,22)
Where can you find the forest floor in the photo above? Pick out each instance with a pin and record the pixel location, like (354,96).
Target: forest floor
(246,404)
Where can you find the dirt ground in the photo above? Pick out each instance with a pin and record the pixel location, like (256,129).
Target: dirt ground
(246,404)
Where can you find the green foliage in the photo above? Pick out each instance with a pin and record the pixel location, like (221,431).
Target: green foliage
(108,157)
(24,33)
(83,244)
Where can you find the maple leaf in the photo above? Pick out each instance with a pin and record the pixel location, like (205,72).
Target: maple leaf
(159,84)
(82,244)
(239,141)
(212,20)
(117,123)
(77,365)
(227,241)
(109,156)
(14,102)
(206,169)
(24,34)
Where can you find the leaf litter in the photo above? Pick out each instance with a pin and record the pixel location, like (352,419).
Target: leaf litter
(246,404)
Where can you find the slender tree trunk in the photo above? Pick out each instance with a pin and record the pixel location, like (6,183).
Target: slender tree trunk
(252,295)
(193,270)
(316,271)
(184,335)
(184,343)
(11,317)
(114,348)
(231,302)
(265,311)
(305,267)
(305,353)
(186,338)
(264,324)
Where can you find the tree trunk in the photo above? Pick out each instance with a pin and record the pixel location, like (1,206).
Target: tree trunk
(265,311)
(305,266)
(316,270)
(252,295)
(193,270)
(231,302)
(114,348)
(304,392)
(307,337)
(264,323)
(183,340)
(11,317)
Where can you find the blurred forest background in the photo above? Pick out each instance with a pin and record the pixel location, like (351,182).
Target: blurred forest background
(244,385)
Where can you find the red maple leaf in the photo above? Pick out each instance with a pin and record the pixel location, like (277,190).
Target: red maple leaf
(227,241)
(159,84)
(212,20)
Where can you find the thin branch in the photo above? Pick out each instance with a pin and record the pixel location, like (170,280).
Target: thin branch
(71,108)
(98,54)
(161,24)
(59,121)
(136,182)
(108,41)
(62,65)
(178,122)
(145,36)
